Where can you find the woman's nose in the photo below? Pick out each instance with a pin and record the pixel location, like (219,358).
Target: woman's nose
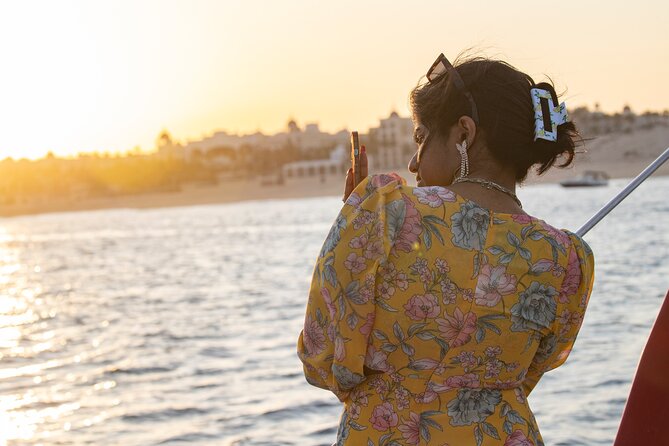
(413,164)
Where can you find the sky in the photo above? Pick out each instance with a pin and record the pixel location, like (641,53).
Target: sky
(93,75)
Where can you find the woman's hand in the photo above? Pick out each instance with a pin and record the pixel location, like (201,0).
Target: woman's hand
(350,179)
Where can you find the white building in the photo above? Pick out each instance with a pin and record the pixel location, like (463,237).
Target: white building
(394,138)
(224,139)
(337,164)
(311,138)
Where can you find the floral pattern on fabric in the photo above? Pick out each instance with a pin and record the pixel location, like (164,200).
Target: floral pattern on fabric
(432,318)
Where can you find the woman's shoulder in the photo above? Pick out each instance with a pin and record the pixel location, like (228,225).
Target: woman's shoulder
(443,207)
(392,185)
(564,237)
(375,186)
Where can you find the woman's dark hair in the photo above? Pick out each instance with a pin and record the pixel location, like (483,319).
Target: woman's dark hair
(506,113)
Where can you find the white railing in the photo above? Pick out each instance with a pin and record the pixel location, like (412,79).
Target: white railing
(615,201)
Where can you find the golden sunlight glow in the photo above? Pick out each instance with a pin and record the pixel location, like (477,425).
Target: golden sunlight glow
(15,424)
(9,337)
(108,76)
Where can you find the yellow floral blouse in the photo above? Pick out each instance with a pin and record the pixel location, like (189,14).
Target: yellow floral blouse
(433,318)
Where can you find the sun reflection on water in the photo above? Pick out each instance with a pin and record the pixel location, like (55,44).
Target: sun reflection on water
(169,329)
(46,386)
(15,313)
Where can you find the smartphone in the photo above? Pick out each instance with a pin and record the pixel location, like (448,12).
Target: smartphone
(355,158)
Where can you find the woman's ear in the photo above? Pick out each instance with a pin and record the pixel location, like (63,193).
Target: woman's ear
(467,127)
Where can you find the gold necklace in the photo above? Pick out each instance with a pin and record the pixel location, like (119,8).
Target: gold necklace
(489,185)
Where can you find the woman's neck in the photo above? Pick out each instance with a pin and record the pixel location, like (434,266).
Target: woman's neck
(499,176)
(490,198)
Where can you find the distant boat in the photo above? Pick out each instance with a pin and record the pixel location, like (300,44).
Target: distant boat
(588,179)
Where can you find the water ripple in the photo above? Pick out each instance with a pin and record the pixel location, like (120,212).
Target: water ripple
(173,326)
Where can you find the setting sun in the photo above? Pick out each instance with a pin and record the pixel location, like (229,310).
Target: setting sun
(196,248)
(109,76)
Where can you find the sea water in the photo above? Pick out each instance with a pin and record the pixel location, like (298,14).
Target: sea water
(179,325)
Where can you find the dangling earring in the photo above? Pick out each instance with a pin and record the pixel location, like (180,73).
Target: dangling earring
(464,160)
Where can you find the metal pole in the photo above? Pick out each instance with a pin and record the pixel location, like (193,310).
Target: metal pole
(615,201)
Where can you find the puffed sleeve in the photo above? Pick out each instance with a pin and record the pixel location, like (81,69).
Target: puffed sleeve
(340,310)
(554,347)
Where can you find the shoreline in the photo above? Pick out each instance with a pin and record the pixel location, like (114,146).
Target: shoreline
(619,155)
(222,194)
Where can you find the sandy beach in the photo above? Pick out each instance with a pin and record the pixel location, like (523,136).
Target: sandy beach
(619,155)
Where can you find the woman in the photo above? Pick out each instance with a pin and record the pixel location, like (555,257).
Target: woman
(434,310)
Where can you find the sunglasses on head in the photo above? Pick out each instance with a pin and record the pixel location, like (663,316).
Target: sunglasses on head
(440,67)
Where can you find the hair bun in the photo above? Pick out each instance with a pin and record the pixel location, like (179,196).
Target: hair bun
(546,153)
(506,111)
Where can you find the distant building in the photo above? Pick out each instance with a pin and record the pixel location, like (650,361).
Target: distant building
(307,140)
(394,142)
(313,139)
(337,164)
(595,123)
(222,139)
